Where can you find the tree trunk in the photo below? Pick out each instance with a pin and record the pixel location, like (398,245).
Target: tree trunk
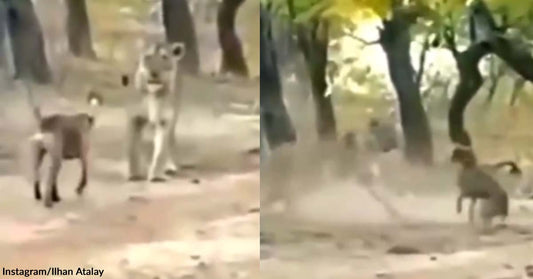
(179,27)
(4,51)
(496,73)
(395,41)
(274,117)
(78,29)
(286,45)
(470,81)
(491,41)
(232,54)
(27,42)
(315,51)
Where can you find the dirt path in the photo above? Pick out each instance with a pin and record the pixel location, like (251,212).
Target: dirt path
(342,232)
(216,225)
(205,223)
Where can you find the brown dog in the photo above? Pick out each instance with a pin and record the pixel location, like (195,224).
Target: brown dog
(475,183)
(63,137)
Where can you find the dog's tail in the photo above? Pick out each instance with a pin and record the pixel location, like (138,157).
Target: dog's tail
(514,167)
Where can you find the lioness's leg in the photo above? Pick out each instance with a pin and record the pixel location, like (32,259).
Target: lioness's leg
(171,167)
(37,155)
(154,173)
(135,128)
(172,159)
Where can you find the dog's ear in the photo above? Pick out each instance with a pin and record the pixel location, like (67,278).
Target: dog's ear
(177,50)
(125,79)
(95,99)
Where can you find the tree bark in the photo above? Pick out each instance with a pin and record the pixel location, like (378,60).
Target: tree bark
(179,27)
(486,39)
(315,51)
(470,80)
(232,54)
(395,40)
(27,42)
(78,29)
(275,120)
(4,51)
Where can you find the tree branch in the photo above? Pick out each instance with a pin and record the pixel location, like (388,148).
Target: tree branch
(361,40)
(495,74)
(449,36)
(518,58)
(290,7)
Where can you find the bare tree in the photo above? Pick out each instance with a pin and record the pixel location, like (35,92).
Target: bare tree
(314,47)
(27,41)
(395,40)
(179,27)
(78,29)
(232,54)
(3,29)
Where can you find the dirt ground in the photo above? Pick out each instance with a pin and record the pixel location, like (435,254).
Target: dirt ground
(335,228)
(204,224)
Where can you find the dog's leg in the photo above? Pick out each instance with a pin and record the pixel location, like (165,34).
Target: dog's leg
(51,194)
(135,128)
(154,173)
(84,165)
(37,155)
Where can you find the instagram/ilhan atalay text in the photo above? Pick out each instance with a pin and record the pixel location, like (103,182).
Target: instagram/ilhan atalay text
(52,271)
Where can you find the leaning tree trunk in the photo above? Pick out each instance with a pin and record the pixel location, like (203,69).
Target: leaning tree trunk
(487,39)
(470,80)
(275,121)
(179,27)
(27,41)
(315,50)
(232,54)
(78,29)
(395,41)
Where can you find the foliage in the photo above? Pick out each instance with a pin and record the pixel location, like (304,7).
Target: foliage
(514,12)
